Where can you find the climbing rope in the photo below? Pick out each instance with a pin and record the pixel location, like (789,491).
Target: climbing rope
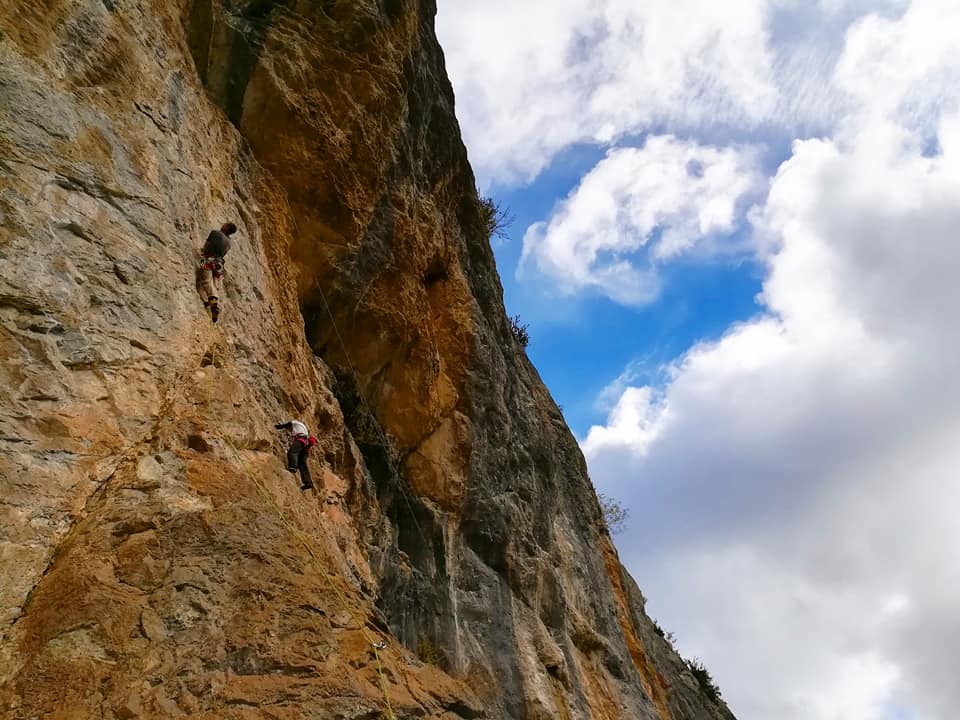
(265,495)
(280,21)
(395,470)
(375,645)
(376,425)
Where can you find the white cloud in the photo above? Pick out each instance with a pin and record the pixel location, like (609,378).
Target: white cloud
(633,374)
(793,486)
(907,66)
(639,206)
(533,78)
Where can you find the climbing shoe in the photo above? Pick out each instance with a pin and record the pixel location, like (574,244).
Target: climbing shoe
(307,486)
(292,469)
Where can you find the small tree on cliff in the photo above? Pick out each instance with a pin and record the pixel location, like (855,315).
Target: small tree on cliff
(614,514)
(496,219)
(519,331)
(704,679)
(665,634)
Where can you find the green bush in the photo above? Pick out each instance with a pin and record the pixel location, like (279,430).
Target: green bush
(496,219)
(668,636)
(707,685)
(614,514)
(519,331)
(427,652)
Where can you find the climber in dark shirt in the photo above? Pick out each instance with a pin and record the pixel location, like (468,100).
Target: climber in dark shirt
(211,267)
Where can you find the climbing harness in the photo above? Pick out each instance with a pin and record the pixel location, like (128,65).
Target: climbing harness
(213,264)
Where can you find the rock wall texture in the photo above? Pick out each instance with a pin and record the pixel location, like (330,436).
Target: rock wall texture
(156,559)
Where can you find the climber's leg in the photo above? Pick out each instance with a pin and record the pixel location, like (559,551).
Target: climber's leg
(293,455)
(213,305)
(209,287)
(306,482)
(205,284)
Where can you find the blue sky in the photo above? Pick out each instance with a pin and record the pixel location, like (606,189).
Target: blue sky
(581,343)
(735,246)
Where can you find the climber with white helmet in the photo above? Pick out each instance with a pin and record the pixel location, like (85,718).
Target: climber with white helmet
(210,270)
(300,443)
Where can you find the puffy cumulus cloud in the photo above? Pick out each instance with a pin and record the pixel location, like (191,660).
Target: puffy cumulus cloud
(793,485)
(907,66)
(638,207)
(533,78)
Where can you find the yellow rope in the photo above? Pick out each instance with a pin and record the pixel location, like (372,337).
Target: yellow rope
(318,563)
(320,566)
(386,444)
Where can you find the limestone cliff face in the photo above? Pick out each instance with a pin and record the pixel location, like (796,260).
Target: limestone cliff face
(156,560)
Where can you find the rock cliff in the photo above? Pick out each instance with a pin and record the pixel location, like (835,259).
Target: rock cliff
(156,558)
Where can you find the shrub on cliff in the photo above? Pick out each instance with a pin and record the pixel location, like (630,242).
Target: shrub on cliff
(614,514)
(496,218)
(519,331)
(665,634)
(704,679)
(427,652)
